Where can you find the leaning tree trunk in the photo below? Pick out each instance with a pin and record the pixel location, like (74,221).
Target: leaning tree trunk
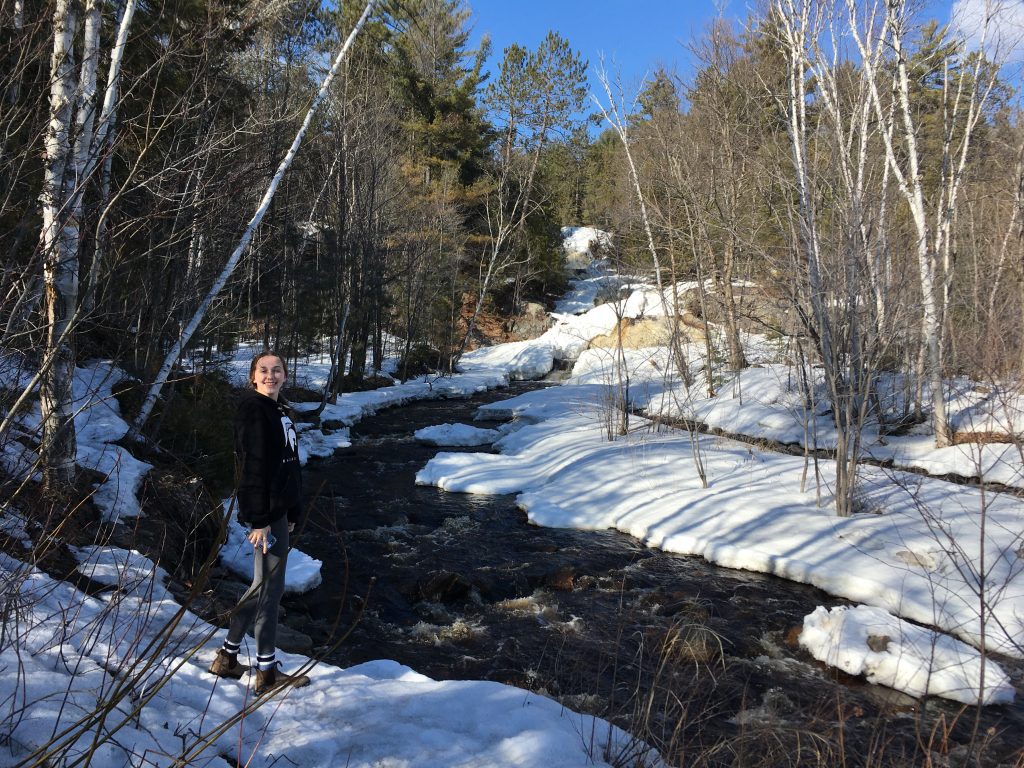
(193,324)
(100,149)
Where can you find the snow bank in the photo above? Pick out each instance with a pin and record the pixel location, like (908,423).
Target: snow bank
(456,434)
(315,443)
(98,425)
(165,704)
(520,360)
(353,406)
(871,642)
(997,410)
(301,574)
(584,291)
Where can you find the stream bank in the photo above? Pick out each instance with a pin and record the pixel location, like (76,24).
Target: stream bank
(699,660)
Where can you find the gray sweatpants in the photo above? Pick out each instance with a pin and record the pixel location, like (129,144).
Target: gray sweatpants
(263,598)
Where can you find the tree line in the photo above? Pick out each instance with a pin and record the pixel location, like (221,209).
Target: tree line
(140,139)
(862,166)
(855,164)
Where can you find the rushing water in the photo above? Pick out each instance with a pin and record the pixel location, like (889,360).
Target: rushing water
(697,659)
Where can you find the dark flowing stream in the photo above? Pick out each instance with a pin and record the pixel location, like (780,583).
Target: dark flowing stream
(698,660)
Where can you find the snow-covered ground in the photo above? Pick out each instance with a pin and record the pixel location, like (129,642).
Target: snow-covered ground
(914,553)
(122,675)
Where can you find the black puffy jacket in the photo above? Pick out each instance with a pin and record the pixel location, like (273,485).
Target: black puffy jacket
(269,481)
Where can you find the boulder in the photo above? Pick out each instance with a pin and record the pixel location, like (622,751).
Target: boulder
(443,587)
(530,323)
(293,641)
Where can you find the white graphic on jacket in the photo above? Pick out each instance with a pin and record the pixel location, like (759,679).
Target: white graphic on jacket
(289,433)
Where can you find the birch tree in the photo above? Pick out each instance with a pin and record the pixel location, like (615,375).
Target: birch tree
(60,260)
(835,258)
(614,113)
(965,95)
(70,160)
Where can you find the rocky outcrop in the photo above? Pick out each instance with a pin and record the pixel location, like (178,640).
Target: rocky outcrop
(530,323)
(648,332)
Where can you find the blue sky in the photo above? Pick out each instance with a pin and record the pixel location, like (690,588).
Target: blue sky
(633,35)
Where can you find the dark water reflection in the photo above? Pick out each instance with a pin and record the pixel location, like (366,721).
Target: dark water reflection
(697,659)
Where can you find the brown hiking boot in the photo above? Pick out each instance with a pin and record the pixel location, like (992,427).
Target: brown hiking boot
(226,665)
(268,680)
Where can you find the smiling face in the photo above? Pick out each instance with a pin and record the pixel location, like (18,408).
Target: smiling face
(268,375)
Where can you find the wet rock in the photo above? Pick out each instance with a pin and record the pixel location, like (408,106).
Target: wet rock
(792,638)
(443,587)
(322,631)
(207,606)
(586,581)
(435,613)
(496,584)
(774,708)
(229,590)
(879,643)
(530,323)
(889,699)
(293,641)
(562,580)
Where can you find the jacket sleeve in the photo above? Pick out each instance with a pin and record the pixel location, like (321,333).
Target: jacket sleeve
(251,461)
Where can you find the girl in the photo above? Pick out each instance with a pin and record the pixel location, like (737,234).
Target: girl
(269,499)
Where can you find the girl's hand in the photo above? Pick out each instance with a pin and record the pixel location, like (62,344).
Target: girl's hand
(258,536)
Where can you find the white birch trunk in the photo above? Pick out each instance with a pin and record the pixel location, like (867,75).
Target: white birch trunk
(933,240)
(101,144)
(60,277)
(14,89)
(795,29)
(193,324)
(613,116)
(931,322)
(86,98)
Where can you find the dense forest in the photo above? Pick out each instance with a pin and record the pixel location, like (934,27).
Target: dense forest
(180,177)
